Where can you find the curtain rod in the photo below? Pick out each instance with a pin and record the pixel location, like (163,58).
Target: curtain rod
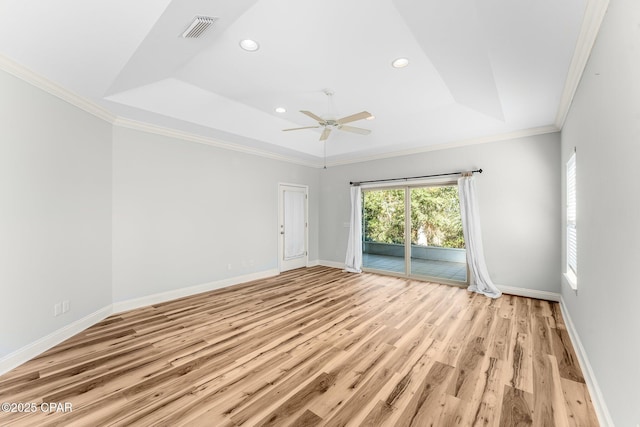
(411,177)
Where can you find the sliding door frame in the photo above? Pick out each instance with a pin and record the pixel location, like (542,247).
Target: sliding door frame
(441,182)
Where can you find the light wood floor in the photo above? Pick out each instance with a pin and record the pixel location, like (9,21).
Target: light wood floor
(315,347)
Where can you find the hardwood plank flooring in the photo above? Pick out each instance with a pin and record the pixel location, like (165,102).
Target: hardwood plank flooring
(314,347)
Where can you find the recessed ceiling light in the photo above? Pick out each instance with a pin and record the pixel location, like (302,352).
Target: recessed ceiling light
(400,63)
(249,45)
(281,110)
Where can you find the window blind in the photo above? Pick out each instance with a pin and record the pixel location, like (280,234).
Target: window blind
(572,246)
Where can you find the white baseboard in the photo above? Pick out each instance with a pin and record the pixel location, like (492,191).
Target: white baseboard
(131,304)
(530,293)
(28,352)
(521,292)
(331,264)
(592,384)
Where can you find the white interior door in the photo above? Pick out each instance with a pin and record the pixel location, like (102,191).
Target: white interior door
(293,226)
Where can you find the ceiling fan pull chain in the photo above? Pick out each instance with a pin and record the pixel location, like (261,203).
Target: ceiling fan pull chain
(325,153)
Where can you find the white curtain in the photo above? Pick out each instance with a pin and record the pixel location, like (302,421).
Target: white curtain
(353,262)
(294,224)
(479,280)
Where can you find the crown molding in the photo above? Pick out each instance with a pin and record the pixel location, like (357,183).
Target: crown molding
(593,15)
(91,107)
(31,77)
(191,137)
(454,144)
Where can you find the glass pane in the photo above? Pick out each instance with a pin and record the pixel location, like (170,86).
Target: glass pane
(437,241)
(383,237)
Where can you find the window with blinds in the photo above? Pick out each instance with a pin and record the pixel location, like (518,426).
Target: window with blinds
(572,247)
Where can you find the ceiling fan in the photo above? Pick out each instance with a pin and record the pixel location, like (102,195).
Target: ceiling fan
(330,124)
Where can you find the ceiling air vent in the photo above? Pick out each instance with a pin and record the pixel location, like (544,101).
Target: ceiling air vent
(198,26)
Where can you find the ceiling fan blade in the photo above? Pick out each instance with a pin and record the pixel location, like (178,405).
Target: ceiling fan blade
(355,129)
(354,117)
(325,134)
(306,127)
(313,116)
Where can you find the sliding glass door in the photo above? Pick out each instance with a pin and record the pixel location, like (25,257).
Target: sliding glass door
(383,220)
(437,241)
(414,231)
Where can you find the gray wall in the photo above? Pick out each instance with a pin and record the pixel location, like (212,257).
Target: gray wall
(519,194)
(604,126)
(63,173)
(55,213)
(182,212)
(95,214)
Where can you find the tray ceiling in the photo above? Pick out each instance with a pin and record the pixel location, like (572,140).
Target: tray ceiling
(476,69)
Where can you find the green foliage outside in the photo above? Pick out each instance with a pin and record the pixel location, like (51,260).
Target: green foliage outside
(383,216)
(435,216)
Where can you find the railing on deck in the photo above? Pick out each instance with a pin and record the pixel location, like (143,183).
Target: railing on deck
(417,251)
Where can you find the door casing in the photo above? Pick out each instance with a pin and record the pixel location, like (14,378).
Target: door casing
(283,264)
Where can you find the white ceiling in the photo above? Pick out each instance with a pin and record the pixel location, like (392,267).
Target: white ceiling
(477,69)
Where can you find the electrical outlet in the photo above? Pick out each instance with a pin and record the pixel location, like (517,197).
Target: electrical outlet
(57,309)
(65,306)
